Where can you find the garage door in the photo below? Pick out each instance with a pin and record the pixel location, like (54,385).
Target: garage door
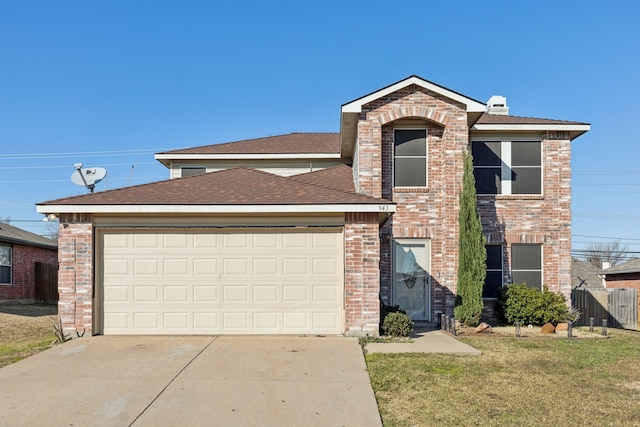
(275,281)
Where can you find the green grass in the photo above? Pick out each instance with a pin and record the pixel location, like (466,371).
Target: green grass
(24,330)
(522,382)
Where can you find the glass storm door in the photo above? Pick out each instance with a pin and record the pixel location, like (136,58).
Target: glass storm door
(410,276)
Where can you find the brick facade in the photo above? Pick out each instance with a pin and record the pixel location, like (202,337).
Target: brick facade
(543,219)
(362,274)
(623,280)
(23,270)
(432,212)
(75,276)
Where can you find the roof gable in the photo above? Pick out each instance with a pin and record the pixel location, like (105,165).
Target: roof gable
(471,104)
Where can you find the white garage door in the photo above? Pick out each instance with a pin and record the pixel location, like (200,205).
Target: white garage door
(222,282)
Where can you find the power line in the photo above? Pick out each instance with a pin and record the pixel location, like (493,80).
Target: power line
(82,153)
(604,237)
(71,166)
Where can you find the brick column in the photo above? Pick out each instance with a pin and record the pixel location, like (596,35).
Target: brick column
(362,274)
(75,276)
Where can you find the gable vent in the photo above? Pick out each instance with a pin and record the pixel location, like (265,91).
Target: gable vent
(498,105)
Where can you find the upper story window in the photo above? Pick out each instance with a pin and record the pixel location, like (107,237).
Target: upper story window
(5,264)
(410,157)
(192,170)
(507,166)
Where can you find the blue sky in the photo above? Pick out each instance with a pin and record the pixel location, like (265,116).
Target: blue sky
(110,83)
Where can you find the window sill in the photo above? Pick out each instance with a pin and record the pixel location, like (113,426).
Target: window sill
(510,197)
(410,189)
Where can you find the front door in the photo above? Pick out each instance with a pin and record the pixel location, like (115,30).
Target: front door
(411,284)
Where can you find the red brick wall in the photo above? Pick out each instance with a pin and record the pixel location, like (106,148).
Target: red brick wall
(23,269)
(75,276)
(432,212)
(624,280)
(362,274)
(544,219)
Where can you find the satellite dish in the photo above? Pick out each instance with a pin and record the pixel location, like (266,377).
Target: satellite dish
(88,177)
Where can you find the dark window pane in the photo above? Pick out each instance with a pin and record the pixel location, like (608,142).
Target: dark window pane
(410,142)
(487,180)
(494,257)
(526,257)
(5,274)
(410,172)
(492,284)
(193,171)
(533,279)
(526,181)
(486,153)
(525,153)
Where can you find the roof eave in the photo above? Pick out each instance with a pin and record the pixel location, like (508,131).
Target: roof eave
(575,130)
(52,246)
(382,206)
(166,159)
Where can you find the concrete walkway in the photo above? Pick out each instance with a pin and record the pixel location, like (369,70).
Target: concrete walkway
(191,381)
(426,341)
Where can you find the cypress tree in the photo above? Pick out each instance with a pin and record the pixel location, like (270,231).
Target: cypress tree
(471,252)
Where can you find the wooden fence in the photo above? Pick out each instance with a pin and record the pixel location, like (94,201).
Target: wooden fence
(619,306)
(46,283)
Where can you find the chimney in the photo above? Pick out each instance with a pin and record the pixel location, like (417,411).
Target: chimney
(498,105)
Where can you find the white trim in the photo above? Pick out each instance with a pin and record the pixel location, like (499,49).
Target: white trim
(227,209)
(472,106)
(531,127)
(294,156)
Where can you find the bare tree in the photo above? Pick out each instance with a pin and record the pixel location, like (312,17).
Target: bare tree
(611,252)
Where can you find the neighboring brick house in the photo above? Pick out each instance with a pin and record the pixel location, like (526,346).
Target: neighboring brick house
(585,275)
(20,250)
(625,275)
(373,212)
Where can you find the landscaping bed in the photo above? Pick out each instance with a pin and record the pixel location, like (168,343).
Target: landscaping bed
(25,330)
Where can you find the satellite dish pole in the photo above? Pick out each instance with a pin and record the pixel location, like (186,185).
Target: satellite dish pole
(88,177)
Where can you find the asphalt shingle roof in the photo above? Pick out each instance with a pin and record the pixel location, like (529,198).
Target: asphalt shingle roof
(293,143)
(584,275)
(498,119)
(632,266)
(11,234)
(237,186)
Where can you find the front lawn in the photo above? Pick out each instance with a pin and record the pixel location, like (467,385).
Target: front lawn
(515,382)
(25,330)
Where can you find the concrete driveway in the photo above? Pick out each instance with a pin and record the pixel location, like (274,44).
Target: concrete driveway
(191,381)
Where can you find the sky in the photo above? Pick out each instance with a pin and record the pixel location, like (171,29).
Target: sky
(108,84)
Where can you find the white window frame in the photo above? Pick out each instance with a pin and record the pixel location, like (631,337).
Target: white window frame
(10,265)
(426,155)
(506,167)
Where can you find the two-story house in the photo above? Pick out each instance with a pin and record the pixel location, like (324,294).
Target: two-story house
(308,233)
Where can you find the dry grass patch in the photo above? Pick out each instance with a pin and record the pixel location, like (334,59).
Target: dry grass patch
(25,330)
(524,382)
